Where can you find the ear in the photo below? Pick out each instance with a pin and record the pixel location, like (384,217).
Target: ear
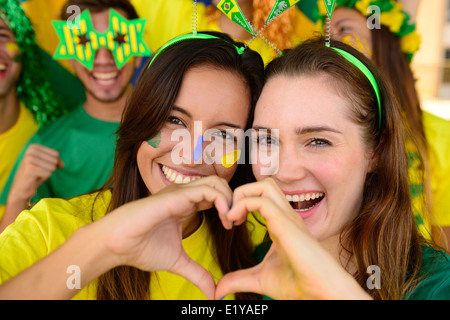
(373,162)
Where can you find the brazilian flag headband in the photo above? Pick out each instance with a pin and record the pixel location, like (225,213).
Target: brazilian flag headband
(231,9)
(190,36)
(82,41)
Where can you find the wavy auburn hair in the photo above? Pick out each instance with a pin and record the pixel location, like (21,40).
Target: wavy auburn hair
(145,114)
(384,232)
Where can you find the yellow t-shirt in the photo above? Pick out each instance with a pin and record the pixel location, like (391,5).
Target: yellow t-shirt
(39,231)
(12,142)
(168,19)
(437,132)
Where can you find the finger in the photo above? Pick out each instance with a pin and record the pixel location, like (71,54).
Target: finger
(278,220)
(245,280)
(60,164)
(37,149)
(49,161)
(217,183)
(267,188)
(196,274)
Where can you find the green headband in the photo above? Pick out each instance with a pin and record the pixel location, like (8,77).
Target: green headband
(188,37)
(357,63)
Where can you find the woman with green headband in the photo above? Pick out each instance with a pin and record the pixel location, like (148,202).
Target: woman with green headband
(338,209)
(390,42)
(155,219)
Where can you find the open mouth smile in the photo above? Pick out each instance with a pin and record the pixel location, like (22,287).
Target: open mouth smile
(177,177)
(303,202)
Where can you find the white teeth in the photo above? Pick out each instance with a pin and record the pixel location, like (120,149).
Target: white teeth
(176,177)
(2,66)
(303,196)
(105,76)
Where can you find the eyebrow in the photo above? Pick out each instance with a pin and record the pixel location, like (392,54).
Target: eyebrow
(5,28)
(179,109)
(188,114)
(227,124)
(305,130)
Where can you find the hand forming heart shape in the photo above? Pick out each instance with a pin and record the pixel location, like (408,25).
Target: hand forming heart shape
(149,233)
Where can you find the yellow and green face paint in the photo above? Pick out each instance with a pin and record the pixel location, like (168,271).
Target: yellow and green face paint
(123,38)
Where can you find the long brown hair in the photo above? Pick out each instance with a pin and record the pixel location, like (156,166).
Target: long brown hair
(146,112)
(389,58)
(384,233)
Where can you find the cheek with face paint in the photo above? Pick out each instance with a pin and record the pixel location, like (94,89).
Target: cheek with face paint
(155,141)
(11,50)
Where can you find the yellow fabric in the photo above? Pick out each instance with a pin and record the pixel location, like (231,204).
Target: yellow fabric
(12,142)
(39,231)
(168,19)
(437,131)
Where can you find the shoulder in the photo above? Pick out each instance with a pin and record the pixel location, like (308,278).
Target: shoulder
(43,228)
(85,208)
(61,124)
(435,276)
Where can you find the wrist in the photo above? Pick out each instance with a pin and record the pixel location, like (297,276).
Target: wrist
(93,258)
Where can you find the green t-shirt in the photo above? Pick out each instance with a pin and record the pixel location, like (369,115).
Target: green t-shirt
(435,270)
(86,146)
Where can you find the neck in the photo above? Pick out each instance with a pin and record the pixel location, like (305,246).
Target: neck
(233,29)
(106,111)
(9,110)
(334,247)
(191,225)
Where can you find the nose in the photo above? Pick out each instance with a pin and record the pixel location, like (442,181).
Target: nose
(292,166)
(189,151)
(104,57)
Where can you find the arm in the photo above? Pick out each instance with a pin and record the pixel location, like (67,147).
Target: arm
(37,165)
(145,234)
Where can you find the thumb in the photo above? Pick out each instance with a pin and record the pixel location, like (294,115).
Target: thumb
(196,274)
(60,164)
(245,280)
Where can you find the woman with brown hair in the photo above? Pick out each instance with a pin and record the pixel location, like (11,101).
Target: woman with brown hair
(338,210)
(154,214)
(391,42)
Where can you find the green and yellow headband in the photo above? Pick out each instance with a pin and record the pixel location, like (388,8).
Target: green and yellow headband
(123,39)
(392,16)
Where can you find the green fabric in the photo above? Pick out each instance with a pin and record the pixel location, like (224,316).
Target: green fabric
(86,146)
(435,273)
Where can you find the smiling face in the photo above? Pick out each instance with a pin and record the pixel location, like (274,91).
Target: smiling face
(9,68)
(323,161)
(219,110)
(105,82)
